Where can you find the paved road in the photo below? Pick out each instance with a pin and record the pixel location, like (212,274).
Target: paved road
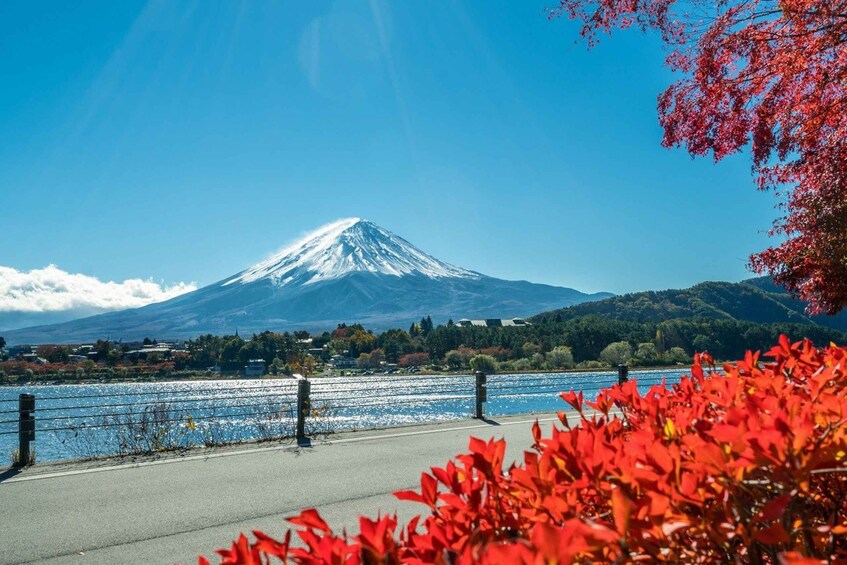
(172,510)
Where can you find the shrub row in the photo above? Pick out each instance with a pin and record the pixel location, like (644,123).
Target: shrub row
(745,464)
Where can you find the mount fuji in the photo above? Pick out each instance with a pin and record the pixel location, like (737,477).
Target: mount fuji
(349,271)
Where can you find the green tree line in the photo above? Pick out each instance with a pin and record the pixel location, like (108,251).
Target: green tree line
(549,344)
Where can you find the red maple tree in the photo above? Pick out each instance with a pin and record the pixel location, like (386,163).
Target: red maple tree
(771,74)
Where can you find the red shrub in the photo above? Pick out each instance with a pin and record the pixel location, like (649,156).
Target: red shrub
(414,360)
(749,464)
(20,367)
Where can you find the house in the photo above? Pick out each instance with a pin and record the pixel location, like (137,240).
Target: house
(33,358)
(341,362)
(317,353)
(254,368)
(144,352)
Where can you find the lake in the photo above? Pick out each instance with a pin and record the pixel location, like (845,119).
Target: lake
(89,420)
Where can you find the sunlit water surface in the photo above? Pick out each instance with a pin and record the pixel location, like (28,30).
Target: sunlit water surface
(89,420)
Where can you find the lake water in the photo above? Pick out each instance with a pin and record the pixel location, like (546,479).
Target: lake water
(74,421)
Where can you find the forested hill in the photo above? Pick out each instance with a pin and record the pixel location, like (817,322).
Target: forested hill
(755,300)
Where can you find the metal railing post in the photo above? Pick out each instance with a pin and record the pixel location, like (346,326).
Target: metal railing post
(481,394)
(26,428)
(303,406)
(623,374)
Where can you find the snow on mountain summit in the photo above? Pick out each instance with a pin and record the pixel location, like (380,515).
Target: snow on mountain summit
(347,246)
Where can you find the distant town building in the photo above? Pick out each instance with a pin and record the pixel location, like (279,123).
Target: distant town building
(341,362)
(33,358)
(254,368)
(160,345)
(164,352)
(514,322)
(493,323)
(317,353)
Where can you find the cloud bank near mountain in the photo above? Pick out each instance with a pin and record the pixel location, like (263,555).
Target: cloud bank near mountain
(52,291)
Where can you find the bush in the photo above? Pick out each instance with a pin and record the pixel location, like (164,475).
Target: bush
(277,367)
(414,360)
(364,361)
(560,358)
(529,349)
(647,353)
(677,355)
(485,363)
(590,364)
(458,358)
(536,362)
(749,465)
(616,353)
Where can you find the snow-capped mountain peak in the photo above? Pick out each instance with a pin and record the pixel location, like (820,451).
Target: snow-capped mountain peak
(366,275)
(347,246)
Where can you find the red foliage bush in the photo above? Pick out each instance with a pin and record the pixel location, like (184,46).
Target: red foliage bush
(20,367)
(748,464)
(414,360)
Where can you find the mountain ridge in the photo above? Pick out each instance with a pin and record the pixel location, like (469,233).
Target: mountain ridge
(756,300)
(349,271)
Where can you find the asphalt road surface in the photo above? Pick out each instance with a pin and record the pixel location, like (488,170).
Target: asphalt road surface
(170,510)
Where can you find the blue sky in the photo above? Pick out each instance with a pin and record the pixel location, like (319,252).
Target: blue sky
(184,141)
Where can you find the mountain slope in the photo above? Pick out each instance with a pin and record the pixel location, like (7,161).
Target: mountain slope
(343,247)
(349,271)
(754,300)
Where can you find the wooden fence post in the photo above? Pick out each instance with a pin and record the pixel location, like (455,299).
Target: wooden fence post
(303,407)
(623,374)
(481,394)
(26,428)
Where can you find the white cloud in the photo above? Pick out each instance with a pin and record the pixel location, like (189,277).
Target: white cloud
(53,290)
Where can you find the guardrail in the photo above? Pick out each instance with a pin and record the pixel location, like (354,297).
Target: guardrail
(134,422)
